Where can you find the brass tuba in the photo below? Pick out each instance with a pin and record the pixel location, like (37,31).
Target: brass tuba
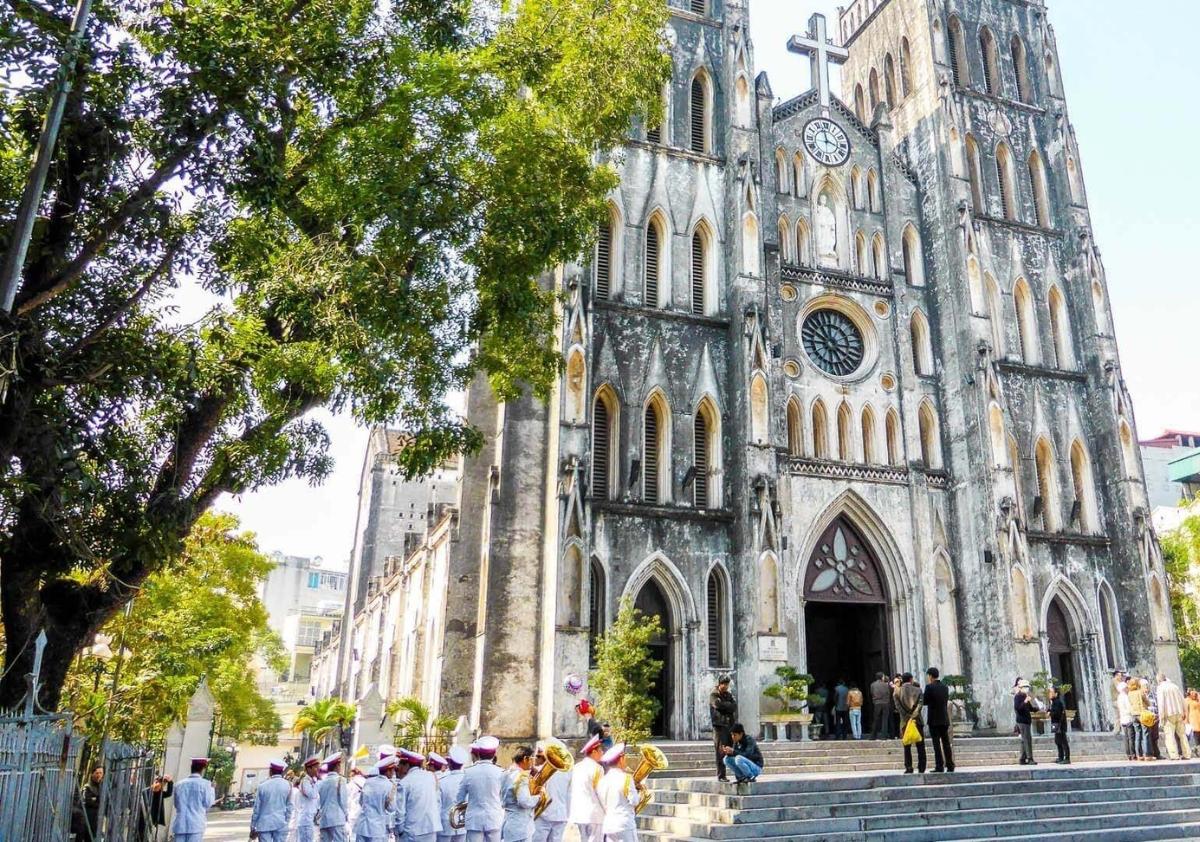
(458,815)
(558,759)
(653,760)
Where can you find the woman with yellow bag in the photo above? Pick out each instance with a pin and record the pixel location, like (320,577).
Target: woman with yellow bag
(912,727)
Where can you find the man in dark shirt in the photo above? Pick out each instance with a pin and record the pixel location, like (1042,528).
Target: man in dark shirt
(908,701)
(722,708)
(1060,724)
(841,708)
(743,758)
(881,706)
(1023,706)
(937,707)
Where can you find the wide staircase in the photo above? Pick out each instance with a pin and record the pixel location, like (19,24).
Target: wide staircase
(834,791)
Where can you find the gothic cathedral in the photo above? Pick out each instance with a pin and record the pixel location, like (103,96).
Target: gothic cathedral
(841,391)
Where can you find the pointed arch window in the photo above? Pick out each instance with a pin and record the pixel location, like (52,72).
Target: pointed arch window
(802,251)
(1041,194)
(856,188)
(656,451)
(703,460)
(596,599)
(1074,181)
(718,634)
(1026,323)
(795,427)
(699,120)
(889,80)
(860,103)
(1021,68)
(1114,655)
(787,246)
(604,445)
(975,173)
(781,171)
(879,258)
(921,344)
(742,93)
(845,430)
(874,199)
(768,593)
(914,261)
(759,410)
(957,47)
(1084,487)
(750,244)
(906,82)
(1047,485)
(991,65)
(1060,329)
(699,271)
(820,431)
(931,455)
(869,449)
(861,261)
(997,435)
(576,387)
(1008,184)
(604,256)
(876,95)
(799,179)
(895,453)
(654,262)
(654,128)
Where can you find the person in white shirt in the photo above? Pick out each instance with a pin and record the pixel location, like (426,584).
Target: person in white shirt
(193,796)
(333,801)
(272,806)
(585,810)
(448,785)
(619,795)
(377,812)
(518,801)
(307,800)
(418,801)
(552,823)
(1171,712)
(480,789)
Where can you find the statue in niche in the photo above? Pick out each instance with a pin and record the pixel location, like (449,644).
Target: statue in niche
(826,225)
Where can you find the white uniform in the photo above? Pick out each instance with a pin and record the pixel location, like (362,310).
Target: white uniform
(518,807)
(272,809)
(585,811)
(378,810)
(480,788)
(619,797)
(418,806)
(307,801)
(550,826)
(448,785)
(193,796)
(355,785)
(333,801)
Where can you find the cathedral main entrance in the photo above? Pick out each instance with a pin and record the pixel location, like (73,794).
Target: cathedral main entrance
(845,614)
(653,603)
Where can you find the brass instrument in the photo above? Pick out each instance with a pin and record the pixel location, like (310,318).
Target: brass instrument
(458,815)
(558,759)
(653,760)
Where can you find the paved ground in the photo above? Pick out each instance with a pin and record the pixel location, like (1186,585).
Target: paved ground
(228,826)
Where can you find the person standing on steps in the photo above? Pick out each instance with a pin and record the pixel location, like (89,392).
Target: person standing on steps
(841,708)
(1023,707)
(722,708)
(908,706)
(1059,725)
(881,707)
(1125,718)
(1171,712)
(855,700)
(937,706)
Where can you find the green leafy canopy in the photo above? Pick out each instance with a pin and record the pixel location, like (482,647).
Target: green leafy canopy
(625,674)
(364,195)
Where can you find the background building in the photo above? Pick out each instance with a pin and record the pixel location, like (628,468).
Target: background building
(1157,455)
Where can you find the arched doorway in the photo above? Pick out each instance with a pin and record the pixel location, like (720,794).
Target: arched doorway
(652,602)
(845,611)
(1062,654)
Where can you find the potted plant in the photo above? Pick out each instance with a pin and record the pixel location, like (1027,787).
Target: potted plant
(791,691)
(962,699)
(1040,686)
(816,701)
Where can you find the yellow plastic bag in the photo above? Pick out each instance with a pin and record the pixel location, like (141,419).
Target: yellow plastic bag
(912,734)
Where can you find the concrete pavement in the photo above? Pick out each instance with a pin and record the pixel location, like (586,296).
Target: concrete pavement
(228,826)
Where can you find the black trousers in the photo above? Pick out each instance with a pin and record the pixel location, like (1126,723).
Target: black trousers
(721,737)
(920,747)
(843,723)
(880,722)
(1064,747)
(943,755)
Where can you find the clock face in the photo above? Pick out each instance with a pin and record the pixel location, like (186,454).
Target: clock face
(827,142)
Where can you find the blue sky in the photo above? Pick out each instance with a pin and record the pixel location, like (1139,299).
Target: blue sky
(1130,80)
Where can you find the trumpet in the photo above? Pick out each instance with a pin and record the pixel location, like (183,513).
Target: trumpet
(653,760)
(458,815)
(558,759)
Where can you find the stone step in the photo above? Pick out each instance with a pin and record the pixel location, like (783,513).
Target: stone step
(886,764)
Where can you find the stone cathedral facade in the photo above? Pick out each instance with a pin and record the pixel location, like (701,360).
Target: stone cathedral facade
(841,390)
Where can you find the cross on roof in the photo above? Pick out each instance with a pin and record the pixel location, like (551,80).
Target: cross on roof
(816,45)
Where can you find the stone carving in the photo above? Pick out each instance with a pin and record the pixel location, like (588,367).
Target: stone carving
(826,224)
(842,568)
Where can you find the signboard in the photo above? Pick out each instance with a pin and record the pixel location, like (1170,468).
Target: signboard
(772,648)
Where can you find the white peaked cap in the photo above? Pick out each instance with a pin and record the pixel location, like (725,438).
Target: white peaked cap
(336,757)
(614,754)
(385,750)
(459,755)
(487,745)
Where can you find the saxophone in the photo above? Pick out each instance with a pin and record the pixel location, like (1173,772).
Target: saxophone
(558,759)
(458,815)
(653,760)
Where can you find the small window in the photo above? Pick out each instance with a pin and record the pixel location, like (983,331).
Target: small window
(699,7)
(699,116)
(604,260)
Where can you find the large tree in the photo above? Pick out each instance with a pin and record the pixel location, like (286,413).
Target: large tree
(364,194)
(1181,556)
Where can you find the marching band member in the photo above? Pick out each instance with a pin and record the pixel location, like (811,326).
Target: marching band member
(552,823)
(333,801)
(354,784)
(375,817)
(585,810)
(307,800)
(480,789)
(419,804)
(272,806)
(193,796)
(619,796)
(517,800)
(448,785)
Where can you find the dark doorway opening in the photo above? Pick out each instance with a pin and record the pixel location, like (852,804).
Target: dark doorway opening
(1062,656)
(847,641)
(651,602)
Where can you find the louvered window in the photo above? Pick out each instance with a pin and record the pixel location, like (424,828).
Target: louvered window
(604,261)
(652,251)
(701,429)
(654,135)
(698,272)
(987,48)
(718,649)
(1001,172)
(601,449)
(699,7)
(698,140)
(595,609)
(952,45)
(650,458)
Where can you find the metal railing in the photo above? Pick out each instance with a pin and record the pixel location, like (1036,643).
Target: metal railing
(39,761)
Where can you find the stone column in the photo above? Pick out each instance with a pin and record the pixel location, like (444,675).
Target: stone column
(370,729)
(190,740)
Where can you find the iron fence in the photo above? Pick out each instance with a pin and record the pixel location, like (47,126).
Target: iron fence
(39,760)
(124,810)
